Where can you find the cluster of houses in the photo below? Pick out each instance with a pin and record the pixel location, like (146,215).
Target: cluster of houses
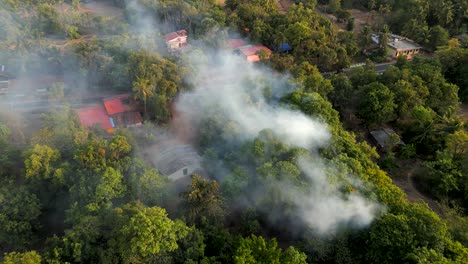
(177,42)
(116,111)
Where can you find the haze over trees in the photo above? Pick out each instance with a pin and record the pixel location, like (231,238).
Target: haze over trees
(70,194)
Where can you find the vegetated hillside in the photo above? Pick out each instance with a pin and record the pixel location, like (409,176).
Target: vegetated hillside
(281,181)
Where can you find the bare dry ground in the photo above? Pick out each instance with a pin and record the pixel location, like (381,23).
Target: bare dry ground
(403,177)
(95,8)
(361,18)
(283,5)
(463,112)
(102,9)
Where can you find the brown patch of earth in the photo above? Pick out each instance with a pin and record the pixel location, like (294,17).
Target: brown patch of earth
(102,9)
(284,5)
(463,112)
(403,177)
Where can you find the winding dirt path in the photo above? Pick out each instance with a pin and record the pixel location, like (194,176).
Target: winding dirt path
(403,177)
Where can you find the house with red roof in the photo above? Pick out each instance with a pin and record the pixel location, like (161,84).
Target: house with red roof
(116,111)
(96,115)
(235,43)
(253,53)
(176,40)
(123,110)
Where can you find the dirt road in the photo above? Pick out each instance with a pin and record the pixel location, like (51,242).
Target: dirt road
(403,177)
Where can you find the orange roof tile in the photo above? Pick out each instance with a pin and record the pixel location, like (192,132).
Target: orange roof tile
(95,114)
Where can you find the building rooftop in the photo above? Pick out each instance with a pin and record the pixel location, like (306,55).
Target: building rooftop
(95,114)
(236,43)
(397,42)
(381,136)
(174,35)
(119,104)
(171,156)
(250,51)
(403,44)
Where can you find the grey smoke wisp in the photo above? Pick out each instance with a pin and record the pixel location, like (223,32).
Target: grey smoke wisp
(237,88)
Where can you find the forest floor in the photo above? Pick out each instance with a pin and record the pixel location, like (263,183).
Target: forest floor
(283,5)
(96,8)
(102,9)
(361,18)
(463,112)
(404,177)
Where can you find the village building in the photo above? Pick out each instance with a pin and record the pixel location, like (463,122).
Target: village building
(253,53)
(235,43)
(399,46)
(382,136)
(96,115)
(116,111)
(174,159)
(176,40)
(123,110)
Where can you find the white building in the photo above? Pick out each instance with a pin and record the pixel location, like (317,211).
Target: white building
(174,159)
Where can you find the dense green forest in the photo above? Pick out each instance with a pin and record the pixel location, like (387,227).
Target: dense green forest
(288,175)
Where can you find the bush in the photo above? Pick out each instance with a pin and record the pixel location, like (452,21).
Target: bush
(72,32)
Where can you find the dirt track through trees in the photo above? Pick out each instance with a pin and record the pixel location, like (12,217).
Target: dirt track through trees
(403,177)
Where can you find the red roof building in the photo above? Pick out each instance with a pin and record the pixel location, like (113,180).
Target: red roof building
(235,43)
(118,104)
(176,40)
(116,111)
(96,114)
(250,52)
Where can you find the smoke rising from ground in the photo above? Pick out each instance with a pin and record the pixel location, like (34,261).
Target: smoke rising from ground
(247,95)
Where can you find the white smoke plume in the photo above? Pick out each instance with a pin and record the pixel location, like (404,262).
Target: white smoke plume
(248,95)
(223,85)
(325,208)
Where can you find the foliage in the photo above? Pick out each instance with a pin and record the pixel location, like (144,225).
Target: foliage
(378,105)
(30,257)
(19,212)
(255,249)
(203,200)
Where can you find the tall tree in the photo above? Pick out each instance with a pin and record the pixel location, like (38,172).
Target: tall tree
(203,200)
(143,89)
(378,105)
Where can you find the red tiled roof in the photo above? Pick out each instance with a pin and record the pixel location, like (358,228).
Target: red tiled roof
(95,115)
(236,43)
(251,50)
(114,104)
(173,35)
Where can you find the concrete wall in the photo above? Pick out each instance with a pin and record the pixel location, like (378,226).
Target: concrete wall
(180,173)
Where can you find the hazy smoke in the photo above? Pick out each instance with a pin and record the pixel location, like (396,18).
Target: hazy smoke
(247,94)
(326,208)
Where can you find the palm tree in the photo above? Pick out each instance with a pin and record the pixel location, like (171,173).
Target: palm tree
(143,89)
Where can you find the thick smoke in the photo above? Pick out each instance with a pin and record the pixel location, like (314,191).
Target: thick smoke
(325,208)
(247,95)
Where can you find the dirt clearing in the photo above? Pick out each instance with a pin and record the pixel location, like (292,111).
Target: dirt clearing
(403,177)
(102,9)
(463,112)
(283,5)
